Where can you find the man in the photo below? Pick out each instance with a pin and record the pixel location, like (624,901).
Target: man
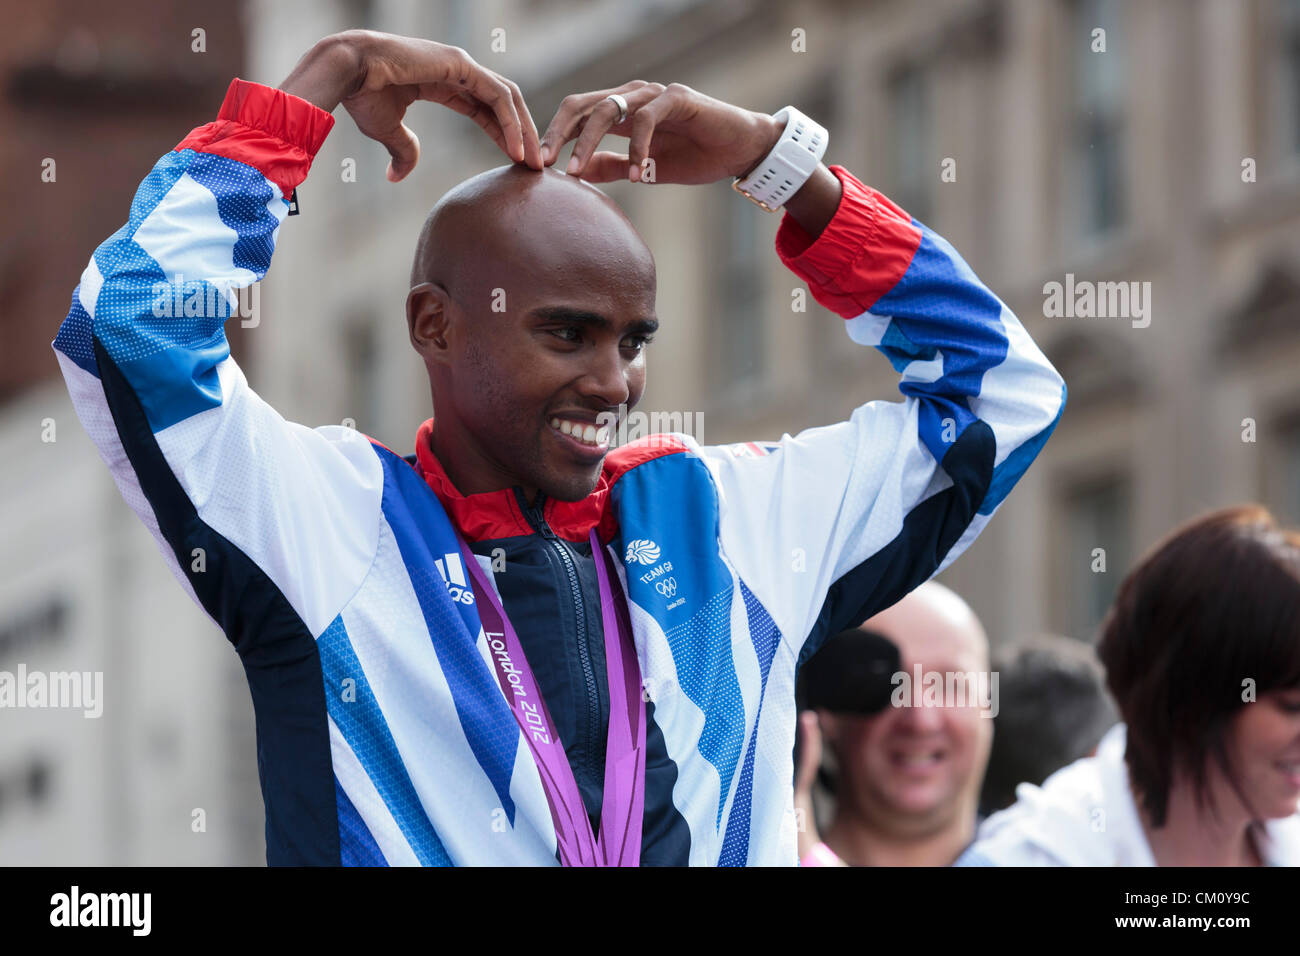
(908,777)
(1053,710)
(444,670)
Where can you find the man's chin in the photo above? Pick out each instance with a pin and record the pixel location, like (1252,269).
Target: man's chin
(572,487)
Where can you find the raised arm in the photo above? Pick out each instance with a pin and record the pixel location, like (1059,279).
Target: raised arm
(251,512)
(841,521)
(872,507)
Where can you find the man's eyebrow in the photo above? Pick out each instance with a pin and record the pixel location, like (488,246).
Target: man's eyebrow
(561,313)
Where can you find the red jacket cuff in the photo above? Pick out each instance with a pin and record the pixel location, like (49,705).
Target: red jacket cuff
(275,132)
(861,254)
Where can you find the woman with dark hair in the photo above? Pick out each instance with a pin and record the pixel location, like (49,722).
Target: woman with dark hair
(1202,655)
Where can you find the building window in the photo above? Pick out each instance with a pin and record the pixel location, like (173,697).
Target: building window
(741,336)
(41,624)
(1282,483)
(1098,519)
(1288,75)
(913,166)
(25,785)
(1097,143)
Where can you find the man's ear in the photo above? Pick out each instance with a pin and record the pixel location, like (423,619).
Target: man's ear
(428,318)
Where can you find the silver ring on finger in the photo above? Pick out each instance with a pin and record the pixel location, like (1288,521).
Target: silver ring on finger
(621,104)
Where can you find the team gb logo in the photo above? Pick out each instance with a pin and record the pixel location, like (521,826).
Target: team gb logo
(642,550)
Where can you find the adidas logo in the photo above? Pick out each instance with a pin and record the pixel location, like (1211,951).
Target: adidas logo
(452,570)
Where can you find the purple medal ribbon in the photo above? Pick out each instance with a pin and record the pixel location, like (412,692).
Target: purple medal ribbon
(623,800)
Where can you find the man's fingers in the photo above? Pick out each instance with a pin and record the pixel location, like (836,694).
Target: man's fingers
(499,99)
(644,122)
(466,105)
(604,119)
(403,150)
(487,119)
(532,142)
(811,755)
(809,760)
(498,96)
(606,167)
(573,114)
(602,116)
(402,69)
(567,119)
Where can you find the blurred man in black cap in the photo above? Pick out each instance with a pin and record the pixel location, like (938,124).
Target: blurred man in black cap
(909,759)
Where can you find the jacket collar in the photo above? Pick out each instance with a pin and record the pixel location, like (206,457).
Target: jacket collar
(500,514)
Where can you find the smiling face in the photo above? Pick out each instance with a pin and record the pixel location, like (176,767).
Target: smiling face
(537,303)
(914,770)
(1264,748)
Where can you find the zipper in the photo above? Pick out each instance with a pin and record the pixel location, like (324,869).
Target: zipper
(537,519)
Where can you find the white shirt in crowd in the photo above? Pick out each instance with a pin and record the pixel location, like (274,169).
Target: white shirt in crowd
(1085,815)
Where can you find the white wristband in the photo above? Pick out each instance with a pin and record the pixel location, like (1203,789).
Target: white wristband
(787,167)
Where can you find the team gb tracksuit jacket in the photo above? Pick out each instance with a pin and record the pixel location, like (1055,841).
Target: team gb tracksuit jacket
(331,563)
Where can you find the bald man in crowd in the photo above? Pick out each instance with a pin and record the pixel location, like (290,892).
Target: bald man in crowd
(520,645)
(908,777)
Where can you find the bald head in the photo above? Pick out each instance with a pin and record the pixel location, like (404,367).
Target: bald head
(514,219)
(532,301)
(934,621)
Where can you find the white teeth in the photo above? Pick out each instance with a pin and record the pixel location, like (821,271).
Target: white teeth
(587,434)
(918,760)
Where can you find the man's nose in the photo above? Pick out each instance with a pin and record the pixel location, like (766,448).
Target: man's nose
(925,718)
(606,378)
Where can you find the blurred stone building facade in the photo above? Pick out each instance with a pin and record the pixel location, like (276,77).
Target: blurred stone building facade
(1163,151)
(92,95)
